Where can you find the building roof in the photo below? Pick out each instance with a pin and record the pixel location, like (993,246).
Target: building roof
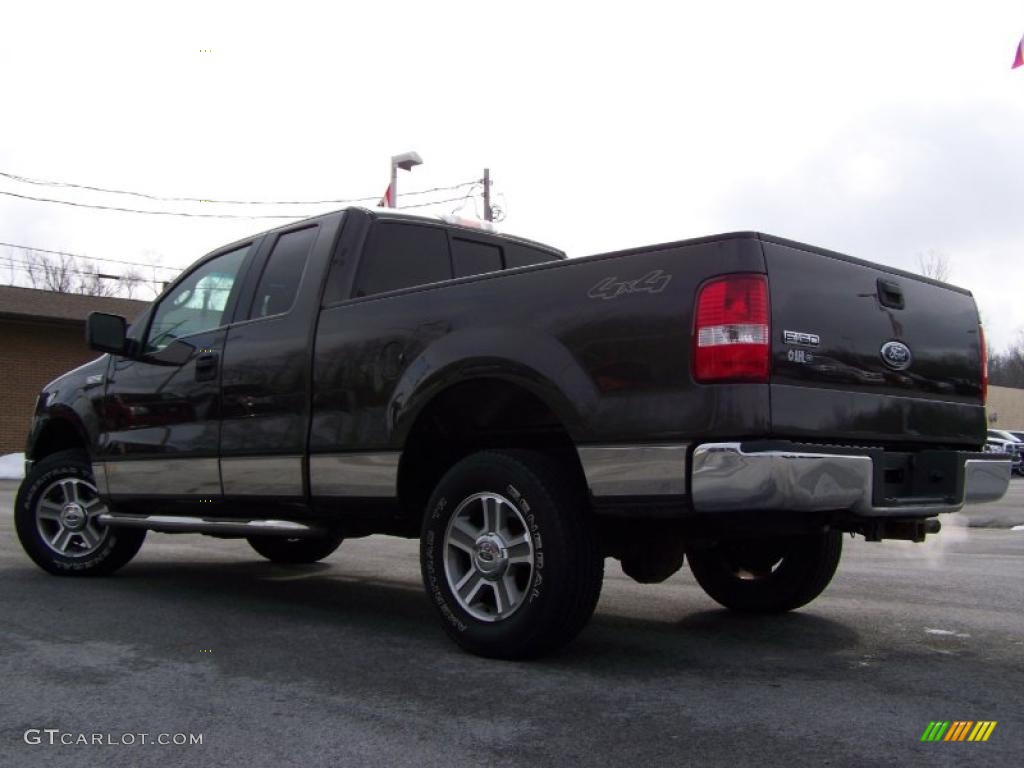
(33,304)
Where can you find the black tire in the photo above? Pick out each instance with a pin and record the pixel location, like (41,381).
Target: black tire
(279,549)
(547,505)
(116,546)
(770,575)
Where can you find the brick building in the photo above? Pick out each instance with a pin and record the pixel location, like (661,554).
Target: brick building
(1006,408)
(42,335)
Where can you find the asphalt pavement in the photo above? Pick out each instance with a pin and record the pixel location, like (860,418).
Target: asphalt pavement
(343,663)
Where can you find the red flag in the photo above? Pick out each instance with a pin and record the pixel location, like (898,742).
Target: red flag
(386,202)
(1018,60)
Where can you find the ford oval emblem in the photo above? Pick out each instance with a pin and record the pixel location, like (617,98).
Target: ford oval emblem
(896,355)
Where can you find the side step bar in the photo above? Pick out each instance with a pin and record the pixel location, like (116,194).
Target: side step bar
(222,526)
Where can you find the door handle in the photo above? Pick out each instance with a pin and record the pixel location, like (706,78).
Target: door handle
(206,366)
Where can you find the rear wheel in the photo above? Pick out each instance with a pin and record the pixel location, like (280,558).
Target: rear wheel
(283,550)
(769,575)
(509,555)
(56,517)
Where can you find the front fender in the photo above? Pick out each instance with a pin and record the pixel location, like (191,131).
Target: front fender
(70,407)
(59,420)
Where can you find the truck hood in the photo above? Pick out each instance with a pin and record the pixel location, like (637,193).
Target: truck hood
(67,384)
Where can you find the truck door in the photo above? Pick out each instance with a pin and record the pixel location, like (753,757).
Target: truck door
(267,362)
(160,418)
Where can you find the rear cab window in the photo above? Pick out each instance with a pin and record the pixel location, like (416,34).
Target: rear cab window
(472,257)
(400,255)
(520,255)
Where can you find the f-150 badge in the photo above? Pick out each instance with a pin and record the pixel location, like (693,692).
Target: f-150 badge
(800,337)
(611,287)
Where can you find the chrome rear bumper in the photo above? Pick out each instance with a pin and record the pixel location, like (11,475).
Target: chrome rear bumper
(725,478)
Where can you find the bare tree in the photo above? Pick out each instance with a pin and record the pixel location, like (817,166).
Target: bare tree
(92,282)
(131,282)
(934,264)
(50,273)
(65,274)
(1006,368)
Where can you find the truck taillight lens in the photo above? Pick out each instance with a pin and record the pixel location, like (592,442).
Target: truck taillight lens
(731,330)
(984,365)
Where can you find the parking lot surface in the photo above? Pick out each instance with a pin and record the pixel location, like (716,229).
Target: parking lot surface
(343,663)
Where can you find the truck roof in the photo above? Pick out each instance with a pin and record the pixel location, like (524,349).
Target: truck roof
(398,214)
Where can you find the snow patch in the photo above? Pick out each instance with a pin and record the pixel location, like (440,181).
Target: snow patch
(12,466)
(944,632)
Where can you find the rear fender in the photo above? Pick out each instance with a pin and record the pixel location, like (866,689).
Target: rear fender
(538,363)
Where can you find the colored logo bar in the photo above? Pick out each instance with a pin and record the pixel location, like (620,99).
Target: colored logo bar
(958,730)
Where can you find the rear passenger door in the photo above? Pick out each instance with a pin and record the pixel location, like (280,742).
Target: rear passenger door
(363,347)
(265,378)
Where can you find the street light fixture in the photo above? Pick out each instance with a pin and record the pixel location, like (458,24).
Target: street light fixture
(406,161)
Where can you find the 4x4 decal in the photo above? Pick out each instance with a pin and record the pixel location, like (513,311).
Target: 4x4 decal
(611,287)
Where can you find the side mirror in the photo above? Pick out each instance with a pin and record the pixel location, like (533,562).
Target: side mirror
(106,333)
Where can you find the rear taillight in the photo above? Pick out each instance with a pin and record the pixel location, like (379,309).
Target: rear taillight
(984,365)
(731,330)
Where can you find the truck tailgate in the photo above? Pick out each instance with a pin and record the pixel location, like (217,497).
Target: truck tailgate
(863,353)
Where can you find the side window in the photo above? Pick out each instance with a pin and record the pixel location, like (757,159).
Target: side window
(517,255)
(279,283)
(401,256)
(472,257)
(198,302)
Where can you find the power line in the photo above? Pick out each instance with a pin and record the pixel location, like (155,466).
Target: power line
(28,267)
(91,258)
(152,213)
(25,265)
(433,202)
(146,265)
(201,215)
(163,198)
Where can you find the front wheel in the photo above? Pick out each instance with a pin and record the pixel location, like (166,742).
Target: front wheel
(56,516)
(509,555)
(769,575)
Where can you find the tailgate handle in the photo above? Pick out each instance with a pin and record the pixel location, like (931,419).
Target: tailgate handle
(890,294)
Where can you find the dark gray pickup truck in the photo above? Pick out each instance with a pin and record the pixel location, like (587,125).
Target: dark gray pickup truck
(738,401)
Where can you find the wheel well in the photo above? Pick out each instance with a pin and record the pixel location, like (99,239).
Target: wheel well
(56,435)
(473,416)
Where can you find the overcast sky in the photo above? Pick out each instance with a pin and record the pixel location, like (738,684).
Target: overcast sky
(884,130)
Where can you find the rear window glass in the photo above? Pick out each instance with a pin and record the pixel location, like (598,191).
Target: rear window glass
(472,257)
(517,255)
(402,256)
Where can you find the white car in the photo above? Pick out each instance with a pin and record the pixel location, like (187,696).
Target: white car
(1002,441)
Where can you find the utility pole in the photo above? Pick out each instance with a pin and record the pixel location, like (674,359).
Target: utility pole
(488,213)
